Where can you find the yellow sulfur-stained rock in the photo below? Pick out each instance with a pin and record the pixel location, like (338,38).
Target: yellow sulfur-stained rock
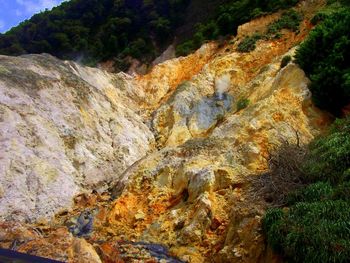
(84,252)
(194,192)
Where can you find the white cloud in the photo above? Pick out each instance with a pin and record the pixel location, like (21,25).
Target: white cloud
(36,5)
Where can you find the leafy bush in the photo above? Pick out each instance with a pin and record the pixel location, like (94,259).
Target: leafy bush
(311,232)
(332,6)
(342,191)
(289,20)
(341,2)
(329,157)
(316,225)
(257,12)
(325,57)
(248,43)
(242,104)
(285,61)
(315,192)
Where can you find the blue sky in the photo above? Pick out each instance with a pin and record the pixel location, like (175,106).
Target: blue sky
(12,12)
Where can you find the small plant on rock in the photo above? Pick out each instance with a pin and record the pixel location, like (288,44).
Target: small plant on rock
(285,61)
(242,104)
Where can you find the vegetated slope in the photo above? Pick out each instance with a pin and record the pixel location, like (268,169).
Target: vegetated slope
(227,18)
(191,194)
(325,57)
(97,29)
(94,31)
(314,224)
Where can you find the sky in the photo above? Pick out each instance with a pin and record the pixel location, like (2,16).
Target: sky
(12,12)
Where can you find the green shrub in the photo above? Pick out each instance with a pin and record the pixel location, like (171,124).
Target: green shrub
(311,232)
(185,48)
(242,104)
(248,43)
(289,20)
(273,5)
(285,61)
(342,192)
(257,12)
(315,192)
(329,157)
(318,18)
(331,8)
(272,222)
(325,57)
(340,2)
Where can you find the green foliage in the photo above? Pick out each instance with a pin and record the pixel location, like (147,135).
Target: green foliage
(342,191)
(289,20)
(248,43)
(185,48)
(316,226)
(315,192)
(325,57)
(285,61)
(98,29)
(340,2)
(329,157)
(332,6)
(227,19)
(242,104)
(311,232)
(257,12)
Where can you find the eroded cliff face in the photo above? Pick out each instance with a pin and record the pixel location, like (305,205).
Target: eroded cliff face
(172,147)
(64,128)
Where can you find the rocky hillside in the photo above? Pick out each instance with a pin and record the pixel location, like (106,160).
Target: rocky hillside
(99,167)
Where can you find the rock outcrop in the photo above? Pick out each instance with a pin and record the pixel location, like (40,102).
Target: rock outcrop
(169,154)
(64,128)
(193,194)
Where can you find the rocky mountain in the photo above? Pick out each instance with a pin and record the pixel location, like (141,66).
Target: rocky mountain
(102,167)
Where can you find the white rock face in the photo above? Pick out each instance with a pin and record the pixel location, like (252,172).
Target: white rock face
(63,129)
